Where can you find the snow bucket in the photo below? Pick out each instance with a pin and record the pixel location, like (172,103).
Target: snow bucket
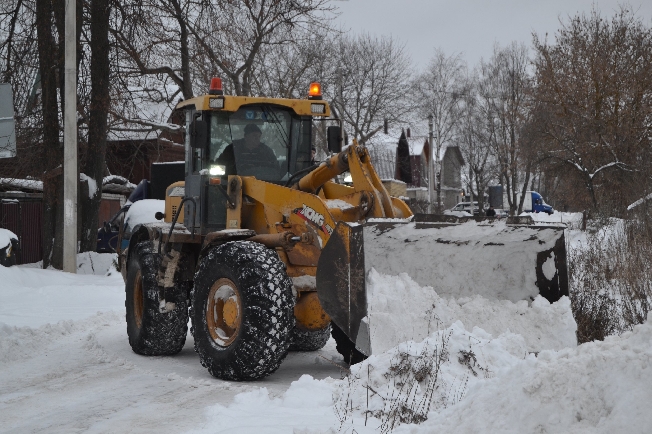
(461,257)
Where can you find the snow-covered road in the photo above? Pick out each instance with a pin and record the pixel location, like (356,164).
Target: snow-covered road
(65,368)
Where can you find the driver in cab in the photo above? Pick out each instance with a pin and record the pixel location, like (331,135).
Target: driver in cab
(247,154)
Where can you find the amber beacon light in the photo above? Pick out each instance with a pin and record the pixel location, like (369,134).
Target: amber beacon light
(216,86)
(315,91)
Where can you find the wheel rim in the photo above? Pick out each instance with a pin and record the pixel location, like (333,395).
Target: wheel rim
(223,312)
(138,299)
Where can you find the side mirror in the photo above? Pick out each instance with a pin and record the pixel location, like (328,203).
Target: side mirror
(198,133)
(334,136)
(107,227)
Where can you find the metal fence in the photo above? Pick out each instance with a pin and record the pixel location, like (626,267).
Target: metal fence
(23,217)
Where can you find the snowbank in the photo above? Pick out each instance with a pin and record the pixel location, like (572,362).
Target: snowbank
(307,403)
(457,381)
(401,310)
(598,387)
(35,297)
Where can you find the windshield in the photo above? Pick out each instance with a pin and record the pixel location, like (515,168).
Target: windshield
(268,142)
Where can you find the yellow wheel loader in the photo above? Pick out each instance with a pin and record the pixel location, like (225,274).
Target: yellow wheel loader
(265,252)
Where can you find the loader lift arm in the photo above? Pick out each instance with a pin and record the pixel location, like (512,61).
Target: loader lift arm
(357,161)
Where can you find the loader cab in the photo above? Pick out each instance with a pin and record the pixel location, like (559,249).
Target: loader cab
(266,138)
(268,142)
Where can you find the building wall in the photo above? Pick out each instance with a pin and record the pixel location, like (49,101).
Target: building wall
(109,206)
(395,188)
(133,159)
(452,176)
(419,172)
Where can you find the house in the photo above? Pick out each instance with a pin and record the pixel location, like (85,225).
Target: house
(384,156)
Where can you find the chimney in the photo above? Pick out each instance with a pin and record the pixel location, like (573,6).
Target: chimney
(408,133)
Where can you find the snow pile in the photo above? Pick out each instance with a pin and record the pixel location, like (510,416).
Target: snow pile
(99,264)
(22,342)
(598,387)
(5,237)
(413,380)
(469,382)
(401,310)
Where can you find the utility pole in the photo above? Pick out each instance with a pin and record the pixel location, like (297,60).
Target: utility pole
(439,170)
(70,177)
(430,158)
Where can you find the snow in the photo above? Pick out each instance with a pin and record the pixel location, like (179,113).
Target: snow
(392,298)
(92,185)
(337,204)
(22,183)
(570,219)
(457,213)
(489,366)
(115,179)
(5,237)
(638,202)
(144,211)
(33,297)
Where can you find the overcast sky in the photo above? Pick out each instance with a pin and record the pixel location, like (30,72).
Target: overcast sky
(470,27)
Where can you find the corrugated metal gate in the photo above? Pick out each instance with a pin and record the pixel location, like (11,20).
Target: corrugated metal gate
(23,217)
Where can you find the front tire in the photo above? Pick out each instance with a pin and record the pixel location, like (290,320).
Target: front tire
(151,332)
(242,311)
(309,340)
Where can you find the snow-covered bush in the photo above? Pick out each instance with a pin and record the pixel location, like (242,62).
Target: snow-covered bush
(611,278)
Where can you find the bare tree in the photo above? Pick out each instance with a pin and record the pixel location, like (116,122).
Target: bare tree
(371,83)
(286,70)
(95,155)
(474,137)
(594,93)
(504,90)
(152,38)
(230,35)
(438,92)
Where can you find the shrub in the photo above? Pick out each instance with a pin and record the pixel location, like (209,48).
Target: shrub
(610,277)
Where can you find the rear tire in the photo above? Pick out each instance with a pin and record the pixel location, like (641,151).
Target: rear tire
(309,340)
(242,311)
(345,347)
(151,332)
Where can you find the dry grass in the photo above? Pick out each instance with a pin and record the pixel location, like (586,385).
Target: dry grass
(611,278)
(403,394)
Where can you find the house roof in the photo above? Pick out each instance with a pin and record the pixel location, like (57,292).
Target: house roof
(455,150)
(384,160)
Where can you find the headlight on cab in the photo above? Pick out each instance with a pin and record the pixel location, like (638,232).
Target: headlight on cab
(217,170)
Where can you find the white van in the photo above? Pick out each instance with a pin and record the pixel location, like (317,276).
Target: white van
(466,207)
